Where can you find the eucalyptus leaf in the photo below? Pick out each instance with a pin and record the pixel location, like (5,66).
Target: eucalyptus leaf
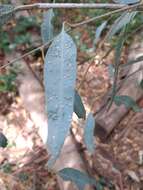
(6,13)
(78,106)
(59,82)
(118,51)
(89,133)
(3,140)
(111,71)
(99,31)
(76,176)
(126,1)
(127,101)
(120,22)
(47,26)
(141,84)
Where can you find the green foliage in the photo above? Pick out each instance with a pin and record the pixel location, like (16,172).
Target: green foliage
(5,41)
(21,34)
(7,168)
(23,176)
(25,23)
(7,82)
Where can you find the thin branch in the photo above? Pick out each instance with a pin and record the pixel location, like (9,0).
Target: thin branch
(125,8)
(71,5)
(25,55)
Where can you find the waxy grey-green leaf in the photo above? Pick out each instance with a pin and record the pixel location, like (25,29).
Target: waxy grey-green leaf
(47,26)
(59,82)
(76,176)
(127,101)
(89,133)
(120,22)
(78,106)
(98,32)
(127,1)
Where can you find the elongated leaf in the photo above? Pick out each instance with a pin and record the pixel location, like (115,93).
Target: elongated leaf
(59,81)
(76,176)
(120,22)
(111,71)
(89,133)
(78,106)
(126,1)
(127,101)
(99,31)
(47,27)
(6,13)
(118,51)
(141,84)
(138,59)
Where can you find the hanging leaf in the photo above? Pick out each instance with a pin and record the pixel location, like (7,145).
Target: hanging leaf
(3,140)
(89,133)
(76,176)
(118,51)
(126,1)
(99,32)
(111,71)
(59,82)
(6,13)
(78,106)
(138,59)
(47,27)
(121,22)
(127,101)
(141,84)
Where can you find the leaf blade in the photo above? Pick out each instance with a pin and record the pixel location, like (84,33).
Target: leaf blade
(126,1)
(76,176)
(98,32)
(89,133)
(59,81)
(120,22)
(47,27)
(118,51)
(78,106)
(127,101)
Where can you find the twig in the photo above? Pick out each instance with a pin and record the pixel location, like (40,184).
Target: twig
(26,54)
(105,15)
(71,5)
